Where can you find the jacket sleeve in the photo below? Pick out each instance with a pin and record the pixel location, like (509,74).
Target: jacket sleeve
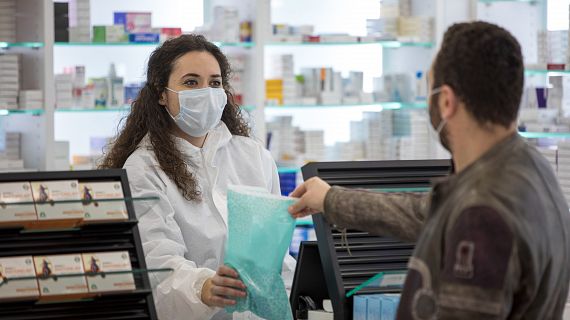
(177,294)
(399,215)
(481,268)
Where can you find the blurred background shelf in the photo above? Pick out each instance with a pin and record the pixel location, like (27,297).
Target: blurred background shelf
(34,112)
(21,44)
(386,44)
(539,135)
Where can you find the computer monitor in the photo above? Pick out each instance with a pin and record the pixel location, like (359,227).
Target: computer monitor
(342,270)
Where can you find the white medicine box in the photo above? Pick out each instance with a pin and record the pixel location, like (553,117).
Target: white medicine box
(48,193)
(103,210)
(102,262)
(17,267)
(57,265)
(16,202)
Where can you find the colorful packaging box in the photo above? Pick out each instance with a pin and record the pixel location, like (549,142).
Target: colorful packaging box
(95,263)
(58,265)
(47,193)
(16,192)
(103,210)
(144,37)
(17,267)
(134,22)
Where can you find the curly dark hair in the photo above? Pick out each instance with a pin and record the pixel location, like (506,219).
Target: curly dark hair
(483,64)
(147,116)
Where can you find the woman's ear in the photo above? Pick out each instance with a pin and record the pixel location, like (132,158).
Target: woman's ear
(163,101)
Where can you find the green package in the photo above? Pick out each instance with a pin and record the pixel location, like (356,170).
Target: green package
(260,230)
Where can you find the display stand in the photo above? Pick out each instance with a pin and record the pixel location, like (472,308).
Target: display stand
(78,236)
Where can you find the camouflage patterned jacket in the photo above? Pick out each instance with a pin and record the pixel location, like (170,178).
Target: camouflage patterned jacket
(492,242)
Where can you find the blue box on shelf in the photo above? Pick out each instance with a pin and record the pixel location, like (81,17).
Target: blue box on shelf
(375,306)
(360,307)
(144,37)
(288,182)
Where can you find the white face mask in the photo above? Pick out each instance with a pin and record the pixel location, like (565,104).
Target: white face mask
(200,110)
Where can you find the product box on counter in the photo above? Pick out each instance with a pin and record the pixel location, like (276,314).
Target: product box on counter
(113,33)
(57,265)
(103,210)
(47,193)
(16,192)
(98,263)
(17,267)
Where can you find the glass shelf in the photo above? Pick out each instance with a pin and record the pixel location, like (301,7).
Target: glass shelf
(380,105)
(54,202)
(538,135)
(143,44)
(546,72)
(497,1)
(81,110)
(34,112)
(34,45)
(386,44)
(125,108)
(85,274)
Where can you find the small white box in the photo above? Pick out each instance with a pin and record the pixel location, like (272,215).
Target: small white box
(102,262)
(47,192)
(57,265)
(16,192)
(17,267)
(106,210)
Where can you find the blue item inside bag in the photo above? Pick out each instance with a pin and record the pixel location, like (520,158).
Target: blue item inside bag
(260,231)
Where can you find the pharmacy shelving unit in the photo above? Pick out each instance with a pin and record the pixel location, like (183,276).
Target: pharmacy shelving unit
(75,237)
(35,42)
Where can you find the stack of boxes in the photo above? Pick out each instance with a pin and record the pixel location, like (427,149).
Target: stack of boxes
(274,91)
(63,90)
(564,168)
(79,21)
(238,63)
(283,89)
(61,21)
(396,22)
(112,33)
(9,80)
(10,150)
(31,99)
(314,145)
(138,26)
(7,20)
(226,24)
(418,144)
(284,142)
(416,29)
(376,130)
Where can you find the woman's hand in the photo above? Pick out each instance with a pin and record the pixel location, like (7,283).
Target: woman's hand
(221,289)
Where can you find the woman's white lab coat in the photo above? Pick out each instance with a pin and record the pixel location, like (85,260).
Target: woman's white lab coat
(189,237)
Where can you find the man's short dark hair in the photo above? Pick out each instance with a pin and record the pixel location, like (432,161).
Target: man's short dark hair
(483,64)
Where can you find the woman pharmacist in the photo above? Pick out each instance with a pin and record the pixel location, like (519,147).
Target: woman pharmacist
(184,142)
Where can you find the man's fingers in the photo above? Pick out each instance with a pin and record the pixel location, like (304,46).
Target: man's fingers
(299,191)
(297,207)
(226,271)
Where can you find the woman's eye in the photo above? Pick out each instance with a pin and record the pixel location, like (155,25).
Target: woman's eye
(191,82)
(216,83)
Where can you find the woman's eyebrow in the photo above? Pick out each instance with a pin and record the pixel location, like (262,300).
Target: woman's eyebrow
(195,75)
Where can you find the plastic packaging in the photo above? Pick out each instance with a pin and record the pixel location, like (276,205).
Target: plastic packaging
(260,231)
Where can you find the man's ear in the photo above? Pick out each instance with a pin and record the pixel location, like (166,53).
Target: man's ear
(449,102)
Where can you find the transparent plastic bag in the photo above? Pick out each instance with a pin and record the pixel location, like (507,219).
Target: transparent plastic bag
(260,231)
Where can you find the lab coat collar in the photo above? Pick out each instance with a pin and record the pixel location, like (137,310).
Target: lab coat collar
(217,138)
